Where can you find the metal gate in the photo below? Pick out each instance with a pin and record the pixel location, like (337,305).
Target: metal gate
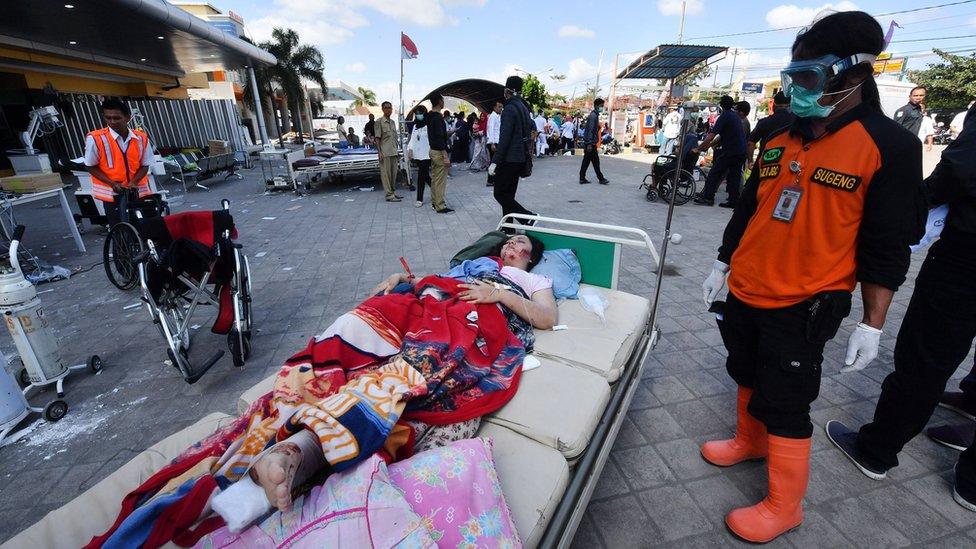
(170,123)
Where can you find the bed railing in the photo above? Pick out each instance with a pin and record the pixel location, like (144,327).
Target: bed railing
(568,514)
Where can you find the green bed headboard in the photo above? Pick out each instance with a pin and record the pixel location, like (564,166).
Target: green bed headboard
(599,260)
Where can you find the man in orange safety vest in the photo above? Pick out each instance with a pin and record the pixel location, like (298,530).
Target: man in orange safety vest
(118,160)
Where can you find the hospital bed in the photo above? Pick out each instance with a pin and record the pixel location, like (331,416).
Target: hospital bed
(352,161)
(551,440)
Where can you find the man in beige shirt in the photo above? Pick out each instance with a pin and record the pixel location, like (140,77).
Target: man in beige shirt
(386,147)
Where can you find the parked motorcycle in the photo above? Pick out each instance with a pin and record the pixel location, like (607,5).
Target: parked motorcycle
(611,147)
(943,135)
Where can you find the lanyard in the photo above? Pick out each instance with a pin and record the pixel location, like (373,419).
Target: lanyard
(125,156)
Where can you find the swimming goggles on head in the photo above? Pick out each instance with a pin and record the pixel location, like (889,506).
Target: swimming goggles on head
(813,74)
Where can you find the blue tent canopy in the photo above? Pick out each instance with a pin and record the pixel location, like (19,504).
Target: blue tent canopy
(671,61)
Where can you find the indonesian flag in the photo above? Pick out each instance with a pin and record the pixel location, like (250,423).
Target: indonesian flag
(408,50)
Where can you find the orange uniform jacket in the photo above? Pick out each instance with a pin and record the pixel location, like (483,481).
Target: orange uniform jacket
(861,207)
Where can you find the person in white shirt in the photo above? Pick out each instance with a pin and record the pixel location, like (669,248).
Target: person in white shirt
(419,150)
(118,162)
(926,131)
(541,145)
(671,127)
(494,128)
(568,131)
(956,125)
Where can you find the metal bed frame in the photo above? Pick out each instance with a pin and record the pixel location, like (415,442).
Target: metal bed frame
(587,470)
(304,177)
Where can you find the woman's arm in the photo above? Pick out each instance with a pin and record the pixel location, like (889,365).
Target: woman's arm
(540,311)
(389,283)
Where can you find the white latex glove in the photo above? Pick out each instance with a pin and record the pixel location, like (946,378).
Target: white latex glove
(491,168)
(862,348)
(715,282)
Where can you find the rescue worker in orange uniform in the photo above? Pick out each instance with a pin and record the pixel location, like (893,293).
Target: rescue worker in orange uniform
(833,200)
(118,160)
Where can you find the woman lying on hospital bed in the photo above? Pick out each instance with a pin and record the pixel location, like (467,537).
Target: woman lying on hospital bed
(275,471)
(518,255)
(396,375)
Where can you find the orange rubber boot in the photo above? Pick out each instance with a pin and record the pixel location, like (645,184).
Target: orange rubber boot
(749,442)
(782,510)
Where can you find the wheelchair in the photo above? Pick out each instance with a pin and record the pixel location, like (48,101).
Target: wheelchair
(662,179)
(123,244)
(190,259)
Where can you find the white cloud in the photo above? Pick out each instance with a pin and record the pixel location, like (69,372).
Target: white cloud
(318,32)
(330,22)
(427,13)
(791,15)
(673,7)
(356,67)
(337,12)
(580,70)
(572,31)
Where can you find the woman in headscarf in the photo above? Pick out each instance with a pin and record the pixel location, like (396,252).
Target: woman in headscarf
(479,156)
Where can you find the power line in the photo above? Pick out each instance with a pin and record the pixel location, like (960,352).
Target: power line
(924,8)
(927,39)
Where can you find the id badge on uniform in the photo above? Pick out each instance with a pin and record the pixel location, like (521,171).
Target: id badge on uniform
(786,205)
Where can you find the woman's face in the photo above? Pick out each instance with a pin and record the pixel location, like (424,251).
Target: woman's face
(516,251)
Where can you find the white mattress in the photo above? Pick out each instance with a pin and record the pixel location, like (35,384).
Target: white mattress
(588,343)
(557,405)
(533,476)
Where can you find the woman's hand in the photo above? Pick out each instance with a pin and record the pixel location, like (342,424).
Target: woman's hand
(479,292)
(387,285)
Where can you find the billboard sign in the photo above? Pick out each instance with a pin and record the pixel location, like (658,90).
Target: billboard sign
(752,87)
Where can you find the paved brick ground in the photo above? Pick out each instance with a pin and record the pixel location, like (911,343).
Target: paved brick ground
(321,254)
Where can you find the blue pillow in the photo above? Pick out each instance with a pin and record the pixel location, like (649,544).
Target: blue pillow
(563,268)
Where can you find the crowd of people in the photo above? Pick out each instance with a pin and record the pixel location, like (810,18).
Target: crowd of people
(502,142)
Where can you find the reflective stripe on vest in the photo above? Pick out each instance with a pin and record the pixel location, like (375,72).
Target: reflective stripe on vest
(119,168)
(106,151)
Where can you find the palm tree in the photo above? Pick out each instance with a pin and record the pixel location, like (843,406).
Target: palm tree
(368,97)
(296,62)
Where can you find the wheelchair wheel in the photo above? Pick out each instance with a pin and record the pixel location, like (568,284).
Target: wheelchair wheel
(244,294)
(686,187)
(122,245)
(240,347)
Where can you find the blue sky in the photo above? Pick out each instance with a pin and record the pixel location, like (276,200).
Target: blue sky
(489,38)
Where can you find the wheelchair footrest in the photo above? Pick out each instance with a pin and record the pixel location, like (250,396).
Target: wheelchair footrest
(194,377)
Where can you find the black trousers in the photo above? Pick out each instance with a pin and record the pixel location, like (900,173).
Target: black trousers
(590,155)
(118,211)
(729,168)
(935,337)
(567,143)
(778,353)
(506,185)
(423,178)
(491,154)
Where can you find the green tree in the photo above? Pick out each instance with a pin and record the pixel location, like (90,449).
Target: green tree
(589,94)
(296,62)
(951,83)
(369,97)
(534,93)
(555,98)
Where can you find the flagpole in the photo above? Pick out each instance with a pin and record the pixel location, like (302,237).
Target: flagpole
(403,120)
